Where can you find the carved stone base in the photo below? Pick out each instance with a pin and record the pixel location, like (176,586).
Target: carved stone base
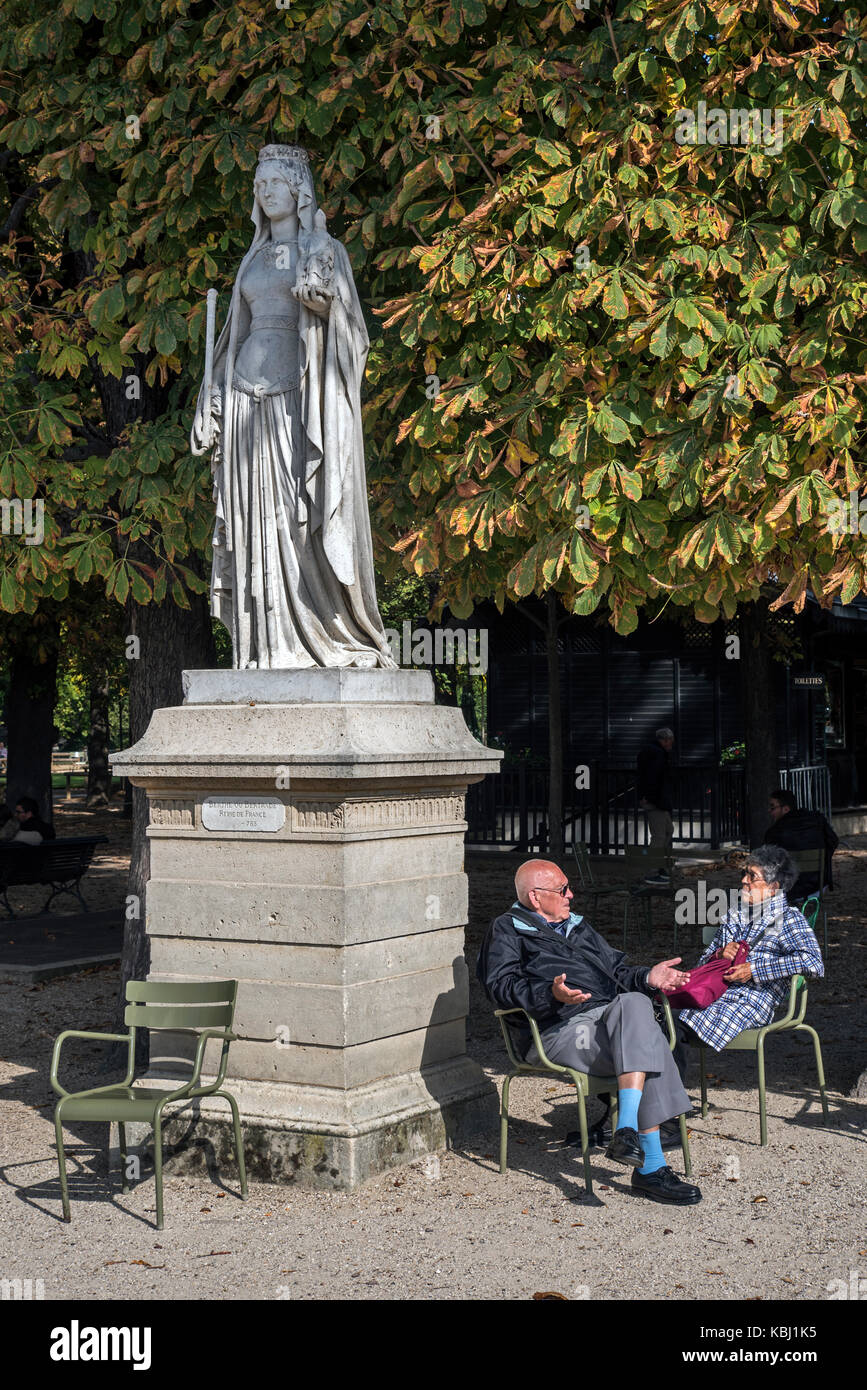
(330,1140)
(314,852)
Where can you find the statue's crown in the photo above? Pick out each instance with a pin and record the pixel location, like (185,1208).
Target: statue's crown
(294,153)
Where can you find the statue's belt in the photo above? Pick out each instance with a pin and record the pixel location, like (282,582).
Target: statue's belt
(265,321)
(286,383)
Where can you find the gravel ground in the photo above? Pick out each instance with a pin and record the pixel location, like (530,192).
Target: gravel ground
(775,1223)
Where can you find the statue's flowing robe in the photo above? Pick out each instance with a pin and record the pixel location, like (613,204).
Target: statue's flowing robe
(292,575)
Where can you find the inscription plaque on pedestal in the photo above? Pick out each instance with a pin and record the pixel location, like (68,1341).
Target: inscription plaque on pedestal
(243,813)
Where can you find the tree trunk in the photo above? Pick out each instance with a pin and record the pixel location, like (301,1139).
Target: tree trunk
(30,708)
(556,846)
(171,640)
(760,732)
(98,771)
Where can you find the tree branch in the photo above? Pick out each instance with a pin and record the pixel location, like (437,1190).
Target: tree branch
(488,172)
(611,35)
(19,207)
(810,155)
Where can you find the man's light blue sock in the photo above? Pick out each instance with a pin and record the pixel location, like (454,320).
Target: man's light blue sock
(651,1147)
(628,1101)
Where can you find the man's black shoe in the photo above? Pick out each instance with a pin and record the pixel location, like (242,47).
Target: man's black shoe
(597,1137)
(666,1186)
(625,1148)
(669,1134)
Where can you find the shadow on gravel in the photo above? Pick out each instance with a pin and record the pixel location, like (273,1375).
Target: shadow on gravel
(88,1181)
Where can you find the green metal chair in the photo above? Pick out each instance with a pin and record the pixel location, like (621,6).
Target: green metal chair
(812,861)
(590,884)
(180,1007)
(634,863)
(638,861)
(585,1085)
(753,1039)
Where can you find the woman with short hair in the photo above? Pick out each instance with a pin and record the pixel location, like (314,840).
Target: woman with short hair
(781,944)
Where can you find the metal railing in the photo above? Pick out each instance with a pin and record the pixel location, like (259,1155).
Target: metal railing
(511,808)
(811,787)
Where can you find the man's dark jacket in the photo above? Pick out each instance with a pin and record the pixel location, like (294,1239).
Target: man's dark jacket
(803,829)
(522,954)
(654,778)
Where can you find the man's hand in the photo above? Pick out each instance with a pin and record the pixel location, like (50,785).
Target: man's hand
(739,974)
(728,952)
(564,995)
(663,976)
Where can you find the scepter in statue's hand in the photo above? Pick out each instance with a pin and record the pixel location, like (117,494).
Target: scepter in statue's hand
(210,324)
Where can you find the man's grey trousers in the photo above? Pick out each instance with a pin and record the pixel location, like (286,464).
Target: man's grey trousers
(620,1037)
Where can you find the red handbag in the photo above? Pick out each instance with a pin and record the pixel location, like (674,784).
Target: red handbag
(706,983)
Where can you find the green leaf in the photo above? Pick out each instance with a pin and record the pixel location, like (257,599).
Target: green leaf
(582,565)
(610,425)
(463,267)
(551,153)
(614,301)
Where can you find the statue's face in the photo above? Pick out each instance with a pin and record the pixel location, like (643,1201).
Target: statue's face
(273,191)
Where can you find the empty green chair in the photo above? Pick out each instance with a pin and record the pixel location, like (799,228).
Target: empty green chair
(591,886)
(812,861)
(178,1007)
(585,1085)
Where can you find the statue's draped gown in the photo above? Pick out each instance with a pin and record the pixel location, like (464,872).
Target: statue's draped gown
(292,575)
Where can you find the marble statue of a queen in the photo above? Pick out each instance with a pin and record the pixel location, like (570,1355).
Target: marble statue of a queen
(292,575)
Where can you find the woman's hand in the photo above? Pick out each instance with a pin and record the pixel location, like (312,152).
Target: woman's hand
(206,429)
(314,299)
(739,974)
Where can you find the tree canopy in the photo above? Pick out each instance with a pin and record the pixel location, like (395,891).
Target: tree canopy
(603,360)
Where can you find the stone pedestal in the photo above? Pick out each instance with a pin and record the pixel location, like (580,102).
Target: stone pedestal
(340,913)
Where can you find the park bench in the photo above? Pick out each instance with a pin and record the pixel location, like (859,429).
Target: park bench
(68,762)
(58,864)
(68,765)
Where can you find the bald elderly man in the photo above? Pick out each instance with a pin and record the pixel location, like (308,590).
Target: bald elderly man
(594,1014)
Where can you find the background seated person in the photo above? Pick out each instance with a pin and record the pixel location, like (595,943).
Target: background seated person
(594,1014)
(795,829)
(33,829)
(781,944)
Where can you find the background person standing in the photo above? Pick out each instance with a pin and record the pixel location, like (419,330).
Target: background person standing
(655,792)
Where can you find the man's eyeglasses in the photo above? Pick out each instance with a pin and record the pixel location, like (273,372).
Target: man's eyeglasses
(563,890)
(752,877)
